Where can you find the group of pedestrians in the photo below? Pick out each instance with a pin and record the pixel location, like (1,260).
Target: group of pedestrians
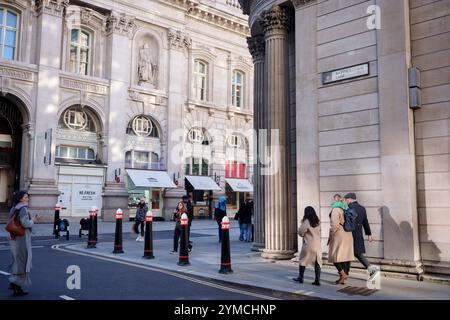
(345,243)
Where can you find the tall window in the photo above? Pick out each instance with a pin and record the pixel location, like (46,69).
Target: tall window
(142,160)
(79,51)
(234,169)
(196,166)
(237,89)
(200,80)
(8,33)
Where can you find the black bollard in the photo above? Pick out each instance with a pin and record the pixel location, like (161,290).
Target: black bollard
(148,247)
(95,223)
(56,221)
(225,260)
(118,247)
(184,254)
(91,238)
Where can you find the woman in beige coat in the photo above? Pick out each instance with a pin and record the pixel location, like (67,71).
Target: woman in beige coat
(311,253)
(340,242)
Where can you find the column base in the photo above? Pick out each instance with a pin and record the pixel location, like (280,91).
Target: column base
(258,247)
(43,197)
(277,254)
(115,196)
(415,268)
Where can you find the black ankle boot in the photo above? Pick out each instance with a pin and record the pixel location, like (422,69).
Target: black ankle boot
(317,271)
(301,272)
(19,292)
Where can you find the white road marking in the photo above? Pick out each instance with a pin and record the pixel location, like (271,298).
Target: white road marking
(205,283)
(5,273)
(66,298)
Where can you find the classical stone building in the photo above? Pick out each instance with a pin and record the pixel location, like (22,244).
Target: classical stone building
(359,91)
(104,102)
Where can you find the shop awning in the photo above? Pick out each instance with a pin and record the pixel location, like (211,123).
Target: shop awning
(150,179)
(203,183)
(240,185)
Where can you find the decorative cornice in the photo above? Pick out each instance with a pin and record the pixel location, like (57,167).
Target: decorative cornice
(179,40)
(83,86)
(300,3)
(53,7)
(276,20)
(257,47)
(121,24)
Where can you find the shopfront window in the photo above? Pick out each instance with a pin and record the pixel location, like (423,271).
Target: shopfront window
(196,167)
(234,169)
(71,152)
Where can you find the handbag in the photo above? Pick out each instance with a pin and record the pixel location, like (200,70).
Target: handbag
(14,227)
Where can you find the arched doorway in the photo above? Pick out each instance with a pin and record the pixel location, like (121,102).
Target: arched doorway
(11,122)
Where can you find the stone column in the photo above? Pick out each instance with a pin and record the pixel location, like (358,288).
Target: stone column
(307,121)
(278,236)
(180,45)
(256,45)
(119,29)
(43,188)
(399,211)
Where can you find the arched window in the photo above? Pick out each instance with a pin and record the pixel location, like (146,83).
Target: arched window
(80,49)
(237,89)
(75,118)
(198,136)
(143,126)
(9,28)
(200,80)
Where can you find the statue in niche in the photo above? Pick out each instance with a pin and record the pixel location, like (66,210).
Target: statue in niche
(147,69)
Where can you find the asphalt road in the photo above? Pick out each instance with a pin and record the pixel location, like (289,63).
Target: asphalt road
(106,279)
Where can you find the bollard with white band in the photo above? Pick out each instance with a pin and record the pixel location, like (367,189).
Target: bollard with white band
(118,247)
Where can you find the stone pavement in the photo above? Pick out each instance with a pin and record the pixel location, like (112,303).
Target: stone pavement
(249,269)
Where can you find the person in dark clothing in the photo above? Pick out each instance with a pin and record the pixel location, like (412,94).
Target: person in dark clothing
(181,208)
(358,237)
(190,213)
(141,212)
(245,219)
(220,212)
(237,217)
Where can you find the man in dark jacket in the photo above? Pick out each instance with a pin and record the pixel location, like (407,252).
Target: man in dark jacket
(245,219)
(358,237)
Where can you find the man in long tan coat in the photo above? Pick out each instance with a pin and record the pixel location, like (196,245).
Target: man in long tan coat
(340,250)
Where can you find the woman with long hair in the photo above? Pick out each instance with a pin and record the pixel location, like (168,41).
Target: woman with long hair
(20,245)
(311,253)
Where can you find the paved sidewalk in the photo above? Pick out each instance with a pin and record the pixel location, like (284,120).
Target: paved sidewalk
(250,269)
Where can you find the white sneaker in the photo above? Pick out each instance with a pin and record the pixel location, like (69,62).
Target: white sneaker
(138,239)
(142,239)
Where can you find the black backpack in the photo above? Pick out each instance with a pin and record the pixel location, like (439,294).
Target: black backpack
(350,219)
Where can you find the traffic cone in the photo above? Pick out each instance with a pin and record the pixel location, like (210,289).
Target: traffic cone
(225,259)
(91,238)
(184,254)
(56,221)
(148,247)
(118,248)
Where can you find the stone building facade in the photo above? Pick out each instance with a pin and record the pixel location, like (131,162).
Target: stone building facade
(337,79)
(92,90)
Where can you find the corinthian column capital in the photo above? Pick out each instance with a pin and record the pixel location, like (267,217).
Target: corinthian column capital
(275,20)
(256,46)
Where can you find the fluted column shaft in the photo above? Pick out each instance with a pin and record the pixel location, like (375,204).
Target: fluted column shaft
(278,237)
(256,46)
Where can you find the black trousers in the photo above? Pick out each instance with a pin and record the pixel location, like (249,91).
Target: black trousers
(176,237)
(317,270)
(343,266)
(136,227)
(363,260)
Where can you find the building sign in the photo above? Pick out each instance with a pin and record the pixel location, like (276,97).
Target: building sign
(345,74)
(86,195)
